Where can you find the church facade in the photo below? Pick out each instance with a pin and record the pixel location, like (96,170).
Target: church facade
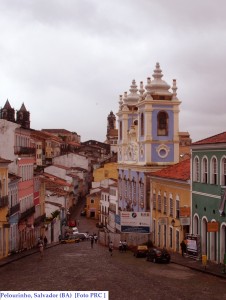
(148,140)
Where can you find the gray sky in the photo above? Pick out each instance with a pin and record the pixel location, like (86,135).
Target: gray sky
(69,60)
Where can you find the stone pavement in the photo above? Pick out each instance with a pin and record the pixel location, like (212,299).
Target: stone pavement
(211,268)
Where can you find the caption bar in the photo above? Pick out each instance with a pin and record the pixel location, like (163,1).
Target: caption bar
(60,295)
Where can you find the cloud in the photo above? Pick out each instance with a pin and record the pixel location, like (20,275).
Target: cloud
(69,60)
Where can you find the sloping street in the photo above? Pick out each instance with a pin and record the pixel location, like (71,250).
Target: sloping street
(78,267)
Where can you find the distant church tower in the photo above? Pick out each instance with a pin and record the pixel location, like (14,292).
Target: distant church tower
(23,117)
(112,132)
(7,112)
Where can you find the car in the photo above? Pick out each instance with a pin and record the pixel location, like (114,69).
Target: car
(157,255)
(74,229)
(141,251)
(82,236)
(70,239)
(83,213)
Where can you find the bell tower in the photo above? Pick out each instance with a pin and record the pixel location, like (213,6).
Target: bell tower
(7,112)
(23,117)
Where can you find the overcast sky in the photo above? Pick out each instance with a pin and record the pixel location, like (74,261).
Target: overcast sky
(69,60)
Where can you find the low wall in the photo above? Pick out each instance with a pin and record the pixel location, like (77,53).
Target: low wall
(132,239)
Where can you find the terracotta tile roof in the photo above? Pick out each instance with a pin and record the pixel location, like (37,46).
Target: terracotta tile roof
(215,139)
(5,161)
(57,131)
(180,171)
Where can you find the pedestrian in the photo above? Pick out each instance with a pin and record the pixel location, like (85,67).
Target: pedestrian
(95,238)
(124,245)
(45,241)
(111,248)
(120,246)
(183,247)
(92,240)
(77,222)
(40,247)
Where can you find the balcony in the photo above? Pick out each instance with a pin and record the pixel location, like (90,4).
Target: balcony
(40,220)
(4,201)
(14,209)
(27,213)
(19,150)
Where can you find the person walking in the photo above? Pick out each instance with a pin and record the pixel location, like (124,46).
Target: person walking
(95,238)
(41,247)
(124,245)
(92,240)
(45,241)
(111,248)
(183,247)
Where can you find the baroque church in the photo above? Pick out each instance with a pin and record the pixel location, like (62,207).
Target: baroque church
(22,115)
(148,138)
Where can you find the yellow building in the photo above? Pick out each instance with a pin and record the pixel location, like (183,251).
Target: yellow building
(4,202)
(109,170)
(93,204)
(170,202)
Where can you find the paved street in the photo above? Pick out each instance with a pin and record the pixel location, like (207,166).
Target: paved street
(78,267)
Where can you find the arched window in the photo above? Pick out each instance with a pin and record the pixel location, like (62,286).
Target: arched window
(214,170)
(162,120)
(223,171)
(120,130)
(196,169)
(142,124)
(204,170)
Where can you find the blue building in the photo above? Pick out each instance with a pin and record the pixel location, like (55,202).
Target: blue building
(148,140)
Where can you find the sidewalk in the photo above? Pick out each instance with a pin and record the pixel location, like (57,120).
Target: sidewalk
(20,255)
(211,268)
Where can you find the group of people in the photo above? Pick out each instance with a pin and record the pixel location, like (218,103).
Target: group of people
(122,246)
(93,239)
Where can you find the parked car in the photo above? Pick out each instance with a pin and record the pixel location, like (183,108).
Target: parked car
(70,239)
(141,251)
(83,213)
(82,236)
(158,255)
(74,230)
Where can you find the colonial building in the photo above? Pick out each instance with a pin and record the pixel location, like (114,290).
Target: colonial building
(209,195)
(148,140)
(170,203)
(4,202)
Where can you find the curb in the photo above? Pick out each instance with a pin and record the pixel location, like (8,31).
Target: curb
(13,258)
(205,271)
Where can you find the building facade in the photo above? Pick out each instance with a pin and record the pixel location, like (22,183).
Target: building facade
(148,139)
(209,195)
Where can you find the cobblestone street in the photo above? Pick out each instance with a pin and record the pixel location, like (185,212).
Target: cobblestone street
(78,267)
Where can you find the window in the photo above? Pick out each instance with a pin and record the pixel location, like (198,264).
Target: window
(162,120)
(142,124)
(171,237)
(223,171)
(196,169)
(92,201)
(154,200)
(204,170)
(164,204)
(214,170)
(171,205)
(159,202)
(177,207)
(120,130)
